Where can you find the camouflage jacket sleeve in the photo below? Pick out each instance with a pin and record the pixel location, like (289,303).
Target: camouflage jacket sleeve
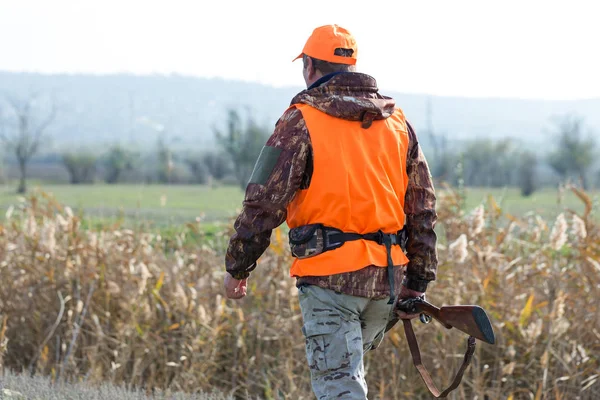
(279,173)
(419,205)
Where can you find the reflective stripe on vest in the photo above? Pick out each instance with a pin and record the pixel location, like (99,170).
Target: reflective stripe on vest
(358,185)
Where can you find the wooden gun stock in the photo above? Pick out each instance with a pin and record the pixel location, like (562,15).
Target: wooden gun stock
(471,320)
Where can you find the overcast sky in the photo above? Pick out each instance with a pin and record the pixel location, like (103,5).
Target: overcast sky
(525,49)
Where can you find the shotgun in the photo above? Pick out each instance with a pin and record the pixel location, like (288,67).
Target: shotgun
(471,320)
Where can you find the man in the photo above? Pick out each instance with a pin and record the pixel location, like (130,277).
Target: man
(345,169)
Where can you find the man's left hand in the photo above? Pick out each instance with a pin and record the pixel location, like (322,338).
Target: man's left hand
(235,288)
(406,293)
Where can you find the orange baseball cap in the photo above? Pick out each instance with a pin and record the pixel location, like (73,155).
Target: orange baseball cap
(324,42)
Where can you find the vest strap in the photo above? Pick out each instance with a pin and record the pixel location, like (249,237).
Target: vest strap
(317,239)
(386,239)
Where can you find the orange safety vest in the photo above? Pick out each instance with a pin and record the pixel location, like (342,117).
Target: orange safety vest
(358,185)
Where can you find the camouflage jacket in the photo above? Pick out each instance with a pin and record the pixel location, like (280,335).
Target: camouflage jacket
(347,96)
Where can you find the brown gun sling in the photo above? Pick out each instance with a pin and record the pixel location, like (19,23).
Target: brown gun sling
(416,355)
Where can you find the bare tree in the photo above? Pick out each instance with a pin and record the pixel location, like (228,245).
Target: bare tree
(23,136)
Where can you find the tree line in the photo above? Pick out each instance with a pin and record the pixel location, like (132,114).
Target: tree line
(23,124)
(498,163)
(479,162)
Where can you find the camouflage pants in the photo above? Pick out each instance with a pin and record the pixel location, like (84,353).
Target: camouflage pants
(338,329)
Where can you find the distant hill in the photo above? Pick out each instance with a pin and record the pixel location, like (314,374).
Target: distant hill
(98,110)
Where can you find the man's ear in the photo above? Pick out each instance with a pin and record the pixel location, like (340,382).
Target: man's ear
(310,68)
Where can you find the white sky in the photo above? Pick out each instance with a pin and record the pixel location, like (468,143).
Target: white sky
(526,48)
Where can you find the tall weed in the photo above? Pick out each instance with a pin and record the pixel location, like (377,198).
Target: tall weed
(119,306)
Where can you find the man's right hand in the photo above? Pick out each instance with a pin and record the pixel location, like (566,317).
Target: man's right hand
(406,293)
(235,288)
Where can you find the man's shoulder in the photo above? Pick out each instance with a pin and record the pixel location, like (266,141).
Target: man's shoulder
(290,117)
(290,130)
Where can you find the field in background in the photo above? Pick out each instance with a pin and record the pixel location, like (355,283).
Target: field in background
(160,204)
(163,205)
(548,202)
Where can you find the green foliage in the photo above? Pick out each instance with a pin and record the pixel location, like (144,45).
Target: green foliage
(81,166)
(574,154)
(199,169)
(218,164)
(209,166)
(117,161)
(527,173)
(165,164)
(489,163)
(460,184)
(242,143)
(441,166)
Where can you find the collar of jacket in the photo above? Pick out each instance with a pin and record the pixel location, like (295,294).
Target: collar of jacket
(324,79)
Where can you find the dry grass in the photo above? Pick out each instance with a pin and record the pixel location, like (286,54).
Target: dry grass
(114,307)
(24,387)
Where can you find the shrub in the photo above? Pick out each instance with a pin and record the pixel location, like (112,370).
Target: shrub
(81,167)
(198,169)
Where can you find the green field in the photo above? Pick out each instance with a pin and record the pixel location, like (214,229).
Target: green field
(545,202)
(161,204)
(168,205)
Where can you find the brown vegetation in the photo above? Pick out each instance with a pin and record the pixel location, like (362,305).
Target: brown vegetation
(116,306)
